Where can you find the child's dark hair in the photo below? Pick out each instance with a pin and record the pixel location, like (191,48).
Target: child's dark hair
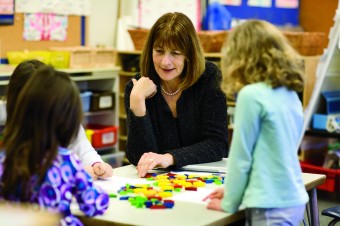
(17,81)
(47,114)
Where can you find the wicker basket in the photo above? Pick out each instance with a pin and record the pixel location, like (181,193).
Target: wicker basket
(212,41)
(307,43)
(138,37)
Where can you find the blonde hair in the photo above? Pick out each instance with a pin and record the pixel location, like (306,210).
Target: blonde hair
(174,31)
(257,51)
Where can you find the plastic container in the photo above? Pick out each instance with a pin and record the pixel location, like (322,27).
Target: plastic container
(332,101)
(60,59)
(114,159)
(43,56)
(101,135)
(79,56)
(16,57)
(319,121)
(102,101)
(86,99)
(332,183)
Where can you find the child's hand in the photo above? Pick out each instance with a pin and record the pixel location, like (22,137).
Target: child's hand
(217,194)
(215,204)
(102,170)
(90,171)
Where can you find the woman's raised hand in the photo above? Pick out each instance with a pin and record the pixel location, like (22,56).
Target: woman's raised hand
(142,89)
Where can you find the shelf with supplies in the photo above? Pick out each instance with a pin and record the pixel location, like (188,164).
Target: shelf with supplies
(320,146)
(100,102)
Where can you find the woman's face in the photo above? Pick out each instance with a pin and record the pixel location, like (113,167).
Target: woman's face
(169,64)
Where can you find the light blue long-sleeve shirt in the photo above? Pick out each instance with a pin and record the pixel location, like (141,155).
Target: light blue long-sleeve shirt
(263,166)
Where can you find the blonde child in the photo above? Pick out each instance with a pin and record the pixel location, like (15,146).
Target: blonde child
(264,73)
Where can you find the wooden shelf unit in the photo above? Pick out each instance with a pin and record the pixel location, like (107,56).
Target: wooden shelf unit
(99,79)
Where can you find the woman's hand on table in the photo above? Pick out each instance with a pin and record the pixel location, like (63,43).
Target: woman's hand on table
(150,160)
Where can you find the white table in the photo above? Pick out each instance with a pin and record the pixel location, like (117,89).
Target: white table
(185,212)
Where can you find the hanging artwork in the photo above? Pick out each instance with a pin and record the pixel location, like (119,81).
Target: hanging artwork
(228,2)
(260,3)
(6,12)
(293,4)
(6,7)
(45,27)
(64,7)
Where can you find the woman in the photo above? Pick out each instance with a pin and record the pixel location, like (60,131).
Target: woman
(176,111)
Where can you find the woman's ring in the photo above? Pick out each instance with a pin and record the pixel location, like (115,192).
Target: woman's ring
(151,160)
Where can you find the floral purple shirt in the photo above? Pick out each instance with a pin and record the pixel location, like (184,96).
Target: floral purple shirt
(66,179)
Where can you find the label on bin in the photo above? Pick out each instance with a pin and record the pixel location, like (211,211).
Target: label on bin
(105,102)
(108,138)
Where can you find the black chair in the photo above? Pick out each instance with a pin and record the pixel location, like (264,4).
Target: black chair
(333,212)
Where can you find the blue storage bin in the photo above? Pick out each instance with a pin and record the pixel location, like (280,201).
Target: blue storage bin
(85,99)
(332,101)
(319,121)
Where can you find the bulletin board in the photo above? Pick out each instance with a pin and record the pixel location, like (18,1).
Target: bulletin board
(11,36)
(276,15)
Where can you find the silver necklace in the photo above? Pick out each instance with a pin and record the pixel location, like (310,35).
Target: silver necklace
(170,94)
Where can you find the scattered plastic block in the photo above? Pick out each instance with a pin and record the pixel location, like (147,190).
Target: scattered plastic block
(112,195)
(124,197)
